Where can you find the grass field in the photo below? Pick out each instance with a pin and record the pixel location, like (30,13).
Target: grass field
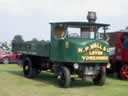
(13,83)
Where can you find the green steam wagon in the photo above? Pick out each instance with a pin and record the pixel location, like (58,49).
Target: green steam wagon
(75,49)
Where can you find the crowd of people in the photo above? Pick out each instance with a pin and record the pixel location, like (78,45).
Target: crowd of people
(5,47)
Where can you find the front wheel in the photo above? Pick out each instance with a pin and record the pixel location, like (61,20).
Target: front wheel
(64,77)
(100,78)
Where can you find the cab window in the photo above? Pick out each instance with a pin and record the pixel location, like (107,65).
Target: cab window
(84,32)
(73,32)
(88,32)
(59,32)
(125,40)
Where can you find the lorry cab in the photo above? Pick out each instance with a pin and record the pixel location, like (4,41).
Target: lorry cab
(78,48)
(78,42)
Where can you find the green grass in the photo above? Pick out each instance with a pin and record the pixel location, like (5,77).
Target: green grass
(13,83)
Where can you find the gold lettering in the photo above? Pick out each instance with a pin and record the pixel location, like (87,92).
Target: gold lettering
(80,50)
(92,58)
(95,53)
(86,49)
(84,58)
(94,49)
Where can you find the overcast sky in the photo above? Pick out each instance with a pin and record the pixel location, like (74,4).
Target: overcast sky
(31,18)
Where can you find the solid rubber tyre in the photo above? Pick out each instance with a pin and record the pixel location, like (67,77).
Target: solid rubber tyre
(65,79)
(28,69)
(100,78)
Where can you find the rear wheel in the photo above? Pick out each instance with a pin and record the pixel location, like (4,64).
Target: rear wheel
(28,69)
(124,72)
(100,77)
(5,61)
(64,77)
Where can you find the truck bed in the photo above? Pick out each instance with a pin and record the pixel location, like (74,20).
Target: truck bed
(37,48)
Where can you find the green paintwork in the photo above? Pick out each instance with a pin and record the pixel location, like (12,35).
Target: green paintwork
(32,48)
(66,49)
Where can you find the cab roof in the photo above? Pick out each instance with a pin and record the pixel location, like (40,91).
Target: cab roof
(80,24)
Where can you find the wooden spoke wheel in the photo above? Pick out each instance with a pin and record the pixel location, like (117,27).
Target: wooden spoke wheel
(124,72)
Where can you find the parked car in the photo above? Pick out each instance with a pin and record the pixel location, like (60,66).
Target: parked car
(7,58)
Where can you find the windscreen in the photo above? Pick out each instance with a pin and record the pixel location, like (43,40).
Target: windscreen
(83,32)
(125,40)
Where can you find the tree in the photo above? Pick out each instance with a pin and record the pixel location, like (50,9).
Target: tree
(17,39)
(34,40)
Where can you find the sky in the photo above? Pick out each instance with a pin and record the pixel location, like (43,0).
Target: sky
(31,18)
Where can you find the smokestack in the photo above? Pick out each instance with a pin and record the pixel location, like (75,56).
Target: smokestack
(91,17)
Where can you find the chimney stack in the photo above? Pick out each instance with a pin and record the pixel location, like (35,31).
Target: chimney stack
(91,17)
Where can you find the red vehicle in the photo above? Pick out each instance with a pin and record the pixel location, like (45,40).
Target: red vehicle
(118,56)
(7,58)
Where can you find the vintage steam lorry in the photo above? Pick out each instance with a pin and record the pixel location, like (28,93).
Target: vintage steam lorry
(75,49)
(118,55)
